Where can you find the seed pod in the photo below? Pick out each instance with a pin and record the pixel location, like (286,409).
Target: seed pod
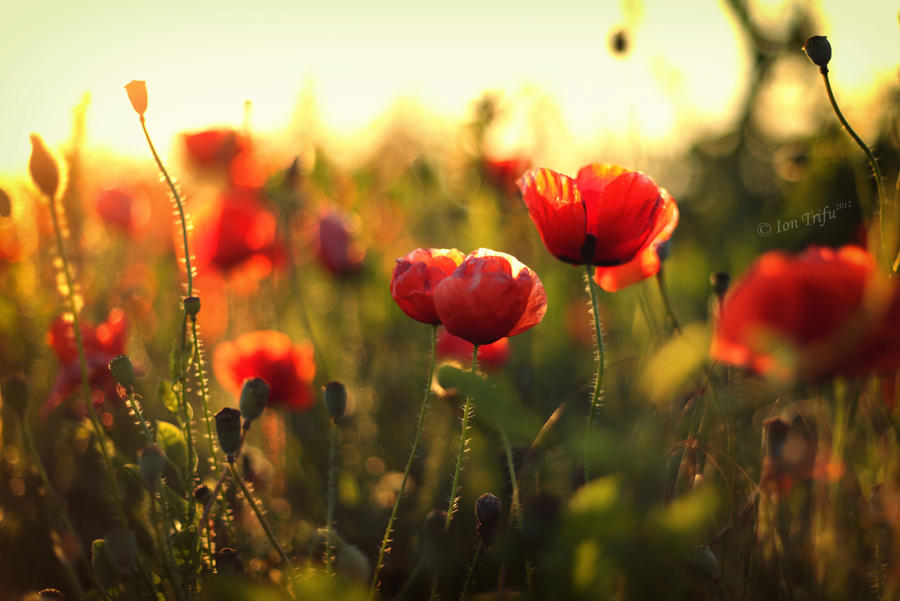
(228,429)
(151,463)
(818,49)
(15,394)
(137,94)
(336,399)
(487,510)
(122,371)
(192,305)
(254,397)
(202,494)
(43,168)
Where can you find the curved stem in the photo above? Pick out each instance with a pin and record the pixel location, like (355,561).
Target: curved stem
(670,315)
(137,412)
(515,514)
(332,492)
(601,366)
(386,539)
(463,447)
(259,516)
(473,567)
(879,180)
(73,309)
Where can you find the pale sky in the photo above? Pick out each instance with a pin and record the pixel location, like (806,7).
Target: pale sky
(203,59)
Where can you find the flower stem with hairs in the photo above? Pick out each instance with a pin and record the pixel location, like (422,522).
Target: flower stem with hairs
(332,492)
(601,367)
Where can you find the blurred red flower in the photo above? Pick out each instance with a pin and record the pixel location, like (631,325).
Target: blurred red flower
(235,229)
(288,368)
(225,149)
(337,243)
(504,173)
(490,295)
(101,344)
(492,356)
(415,276)
(122,210)
(821,313)
(607,216)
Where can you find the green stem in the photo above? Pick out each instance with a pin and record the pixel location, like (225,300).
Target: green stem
(82,363)
(670,315)
(170,551)
(332,494)
(601,366)
(386,539)
(879,180)
(137,411)
(262,519)
(515,514)
(452,505)
(473,566)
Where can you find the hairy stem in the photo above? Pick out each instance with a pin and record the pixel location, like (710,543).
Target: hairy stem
(601,367)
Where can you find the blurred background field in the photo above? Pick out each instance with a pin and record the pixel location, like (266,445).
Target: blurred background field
(316,145)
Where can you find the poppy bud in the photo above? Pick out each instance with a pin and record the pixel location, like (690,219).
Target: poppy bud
(228,561)
(43,168)
(336,399)
(122,371)
(151,463)
(228,429)
(487,511)
(618,42)
(254,397)
(50,594)
(818,49)
(121,548)
(719,282)
(704,563)
(352,563)
(137,94)
(5,204)
(15,394)
(202,494)
(192,305)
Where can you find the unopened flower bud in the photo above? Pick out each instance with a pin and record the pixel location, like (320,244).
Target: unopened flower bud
(254,397)
(5,204)
(202,494)
(704,563)
(43,168)
(122,371)
(192,305)
(137,94)
(818,49)
(352,563)
(228,429)
(487,511)
(433,526)
(15,394)
(50,594)
(719,282)
(336,399)
(151,462)
(228,561)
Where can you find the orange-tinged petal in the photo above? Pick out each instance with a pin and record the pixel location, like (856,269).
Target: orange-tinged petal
(556,208)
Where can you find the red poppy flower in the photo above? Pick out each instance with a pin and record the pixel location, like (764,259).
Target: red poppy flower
(821,313)
(490,295)
(213,147)
(504,173)
(235,229)
(337,245)
(415,276)
(607,216)
(101,344)
(122,210)
(492,356)
(286,367)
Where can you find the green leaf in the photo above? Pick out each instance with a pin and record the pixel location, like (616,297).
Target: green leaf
(171,440)
(167,396)
(103,568)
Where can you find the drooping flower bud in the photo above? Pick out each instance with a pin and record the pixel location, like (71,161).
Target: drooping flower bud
(254,397)
(487,510)
(192,305)
(151,463)
(14,393)
(122,371)
(43,168)
(720,282)
(818,49)
(137,94)
(336,399)
(228,429)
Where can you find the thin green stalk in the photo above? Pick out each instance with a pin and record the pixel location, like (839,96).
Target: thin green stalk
(473,567)
(670,315)
(386,539)
(879,180)
(515,514)
(332,493)
(601,366)
(452,506)
(82,363)
(170,551)
(136,408)
(262,519)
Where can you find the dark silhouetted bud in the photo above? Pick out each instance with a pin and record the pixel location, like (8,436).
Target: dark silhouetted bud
(254,397)
(151,462)
(192,305)
(487,510)
(336,399)
(352,563)
(704,563)
(433,526)
(5,204)
(137,94)
(228,561)
(15,394)
(818,49)
(43,168)
(720,282)
(202,494)
(618,42)
(50,594)
(122,371)
(228,429)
